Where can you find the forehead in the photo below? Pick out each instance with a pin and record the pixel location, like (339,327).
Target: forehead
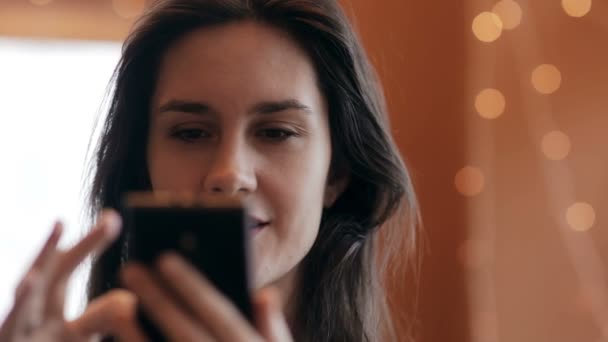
(247,60)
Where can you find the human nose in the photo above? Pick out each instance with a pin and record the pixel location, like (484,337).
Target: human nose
(230,171)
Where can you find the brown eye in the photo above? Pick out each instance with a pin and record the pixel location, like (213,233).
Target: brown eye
(190,135)
(276,134)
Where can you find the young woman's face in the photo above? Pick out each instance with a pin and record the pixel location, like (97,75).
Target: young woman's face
(237,110)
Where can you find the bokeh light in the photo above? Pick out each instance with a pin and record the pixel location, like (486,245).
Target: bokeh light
(580,216)
(469,181)
(128,9)
(556,145)
(490,103)
(576,8)
(487,27)
(546,78)
(509,12)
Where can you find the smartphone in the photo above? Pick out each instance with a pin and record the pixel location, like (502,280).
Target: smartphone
(210,232)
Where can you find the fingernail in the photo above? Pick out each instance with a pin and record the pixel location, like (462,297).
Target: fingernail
(112,223)
(55,232)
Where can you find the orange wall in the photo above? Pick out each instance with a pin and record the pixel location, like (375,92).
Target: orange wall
(534,277)
(502,263)
(418,49)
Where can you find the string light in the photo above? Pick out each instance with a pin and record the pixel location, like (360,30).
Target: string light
(509,12)
(469,181)
(490,103)
(576,8)
(487,27)
(580,216)
(546,78)
(555,145)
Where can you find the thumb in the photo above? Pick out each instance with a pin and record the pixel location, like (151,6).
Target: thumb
(114,314)
(270,319)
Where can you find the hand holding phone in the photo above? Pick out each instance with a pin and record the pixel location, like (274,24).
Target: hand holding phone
(210,232)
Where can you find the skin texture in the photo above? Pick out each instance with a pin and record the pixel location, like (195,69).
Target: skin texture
(236,110)
(236,138)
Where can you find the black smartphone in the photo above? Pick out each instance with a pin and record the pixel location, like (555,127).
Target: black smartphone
(209,232)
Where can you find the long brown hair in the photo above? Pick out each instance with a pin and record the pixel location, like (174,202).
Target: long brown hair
(341,296)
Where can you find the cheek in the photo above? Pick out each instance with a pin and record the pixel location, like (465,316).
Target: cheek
(296,190)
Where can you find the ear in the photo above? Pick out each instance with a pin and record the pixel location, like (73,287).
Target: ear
(334,188)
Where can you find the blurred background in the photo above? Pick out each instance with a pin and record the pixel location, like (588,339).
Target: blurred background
(499,107)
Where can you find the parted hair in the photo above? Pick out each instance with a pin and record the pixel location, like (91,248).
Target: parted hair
(340,294)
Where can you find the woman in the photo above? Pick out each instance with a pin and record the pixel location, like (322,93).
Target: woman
(271,99)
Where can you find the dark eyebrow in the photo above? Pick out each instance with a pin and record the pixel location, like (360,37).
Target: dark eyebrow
(270,107)
(185,107)
(267,107)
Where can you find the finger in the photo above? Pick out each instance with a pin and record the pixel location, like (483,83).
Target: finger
(49,248)
(161,308)
(216,312)
(27,306)
(7,329)
(112,314)
(44,257)
(270,320)
(105,231)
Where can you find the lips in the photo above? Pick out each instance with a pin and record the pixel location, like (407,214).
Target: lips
(256,223)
